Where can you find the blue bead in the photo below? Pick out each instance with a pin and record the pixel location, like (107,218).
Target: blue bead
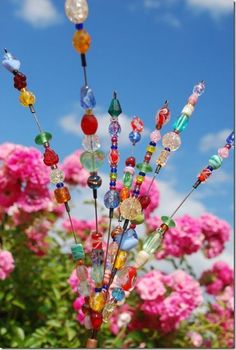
(118,294)
(136,192)
(167,149)
(59,185)
(97,290)
(129,240)
(141,173)
(113,170)
(114,147)
(210,168)
(112,183)
(79,26)
(152,143)
(134,137)
(230,139)
(112,199)
(114,128)
(105,287)
(87,99)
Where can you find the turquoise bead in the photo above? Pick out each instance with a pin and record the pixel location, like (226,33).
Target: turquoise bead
(144,168)
(181,123)
(43,138)
(92,161)
(215,161)
(118,294)
(168,221)
(153,242)
(77,251)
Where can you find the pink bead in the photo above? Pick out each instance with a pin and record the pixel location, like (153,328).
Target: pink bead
(155,136)
(129,169)
(137,124)
(193,99)
(223,152)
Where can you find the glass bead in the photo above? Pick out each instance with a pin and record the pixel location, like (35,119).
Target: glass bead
(205,173)
(79,26)
(82,273)
(114,128)
(10,63)
(115,108)
(50,157)
(118,230)
(57,176)
(87,99)
(113,176)
(96,320)
(151,149)
(127,180)
(121,259)
(152,242)
(147,157)
(26,98)
(108,310)
(89,124)
(118,294)
(76,10)
(162,117)
(139,179)
(92,161)
(62,195)
(126,278)
(96,241)
(97,301)
(168,221)
(215,161)
(94,181)
(171,140)
(20,81)
(129,240)
(87,322)
(193,99)
(42,138)
(83,288)
(137,124)
(124,193)
(114,157)
(130,208)
(134,137)
(77,251)
(112,199)
(199,88)
(144,167)
(155,136)
(130,162)
(162,159)
(141,258)
(129,169)
(230,139)
(97,256)
(144,201)
(139,219)
(97,273)
(223,152)
(107,274)
(81,41)
(91,143)
(181,123)
(188,110)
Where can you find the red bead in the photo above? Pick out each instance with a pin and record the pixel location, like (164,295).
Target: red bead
(129,283)
(114,139)
(50,157)
(20,81)
(114,157)
(147,157)
(96,319)
(162,117)
(96,240)
(132,226)
(205,173)
(144,201)
(137,124)
(89,124)
(130,161)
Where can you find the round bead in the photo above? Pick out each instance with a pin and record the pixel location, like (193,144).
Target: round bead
(118,294)
(168,221)
(96,320)
(112,199)
(114,157)
(215,161)
(91,143)
(77,251)
(171,140)
(57,176)
(130,208)
(130,161)
(87,99)
(42,138)
(20,81)
(62,195)
(126,278)
(114,128)
(162,159)
(144,201)
(188,110)
(50,157)
(81,41)
(89,124)
(92,161)
(205,173)
(223,152)
(199,88)
(76,10)
(193,99)
(139,219)
(137,124)
(26,98)
(124,193)
(162,117)
(134,137)
(181,123)
(155,136)
(94,181)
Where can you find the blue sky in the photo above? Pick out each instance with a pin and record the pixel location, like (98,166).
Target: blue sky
(148,51)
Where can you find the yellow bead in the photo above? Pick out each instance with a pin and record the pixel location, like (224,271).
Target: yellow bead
(97,301)
(163,158)
(121,259)
(113,176)
(140,179)
(150,149)
(26,98)
(81,41)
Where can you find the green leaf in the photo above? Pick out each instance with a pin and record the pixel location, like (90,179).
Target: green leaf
(20,333)
(19,304)
(3,331)
(71,333)
(56,293)
(54,323)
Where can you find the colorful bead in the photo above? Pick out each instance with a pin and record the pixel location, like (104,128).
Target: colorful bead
(205,173)
(57,176)
(126,278)
(77,251)
(137,124)
(20,81)
(114,128)
(87,99)
(139,179)
(127,180)
(153,242)
(139,219)
(94,181)
(42,138)
(215,161)
(134,137)
(97,301)
(108,310)
(26,98)
(91,143)
(115,108)
(181,123)
(188,110)
(96,240)
(81,41)
(96,320)
(144,167)
(144,201)
(107,276)
(76,10)
(118,230)
(112,199)
(130,162)
(50,157)
(83,288)
(97,273)
(162,159)
(130,208)
(151,149)
(92,161)
(223,152)
(199,88)
(128,241)
(168,221)
(118,294)
(193,99)
(230,139)
(171,140)
(62,195)
(121,259)
(10,63)
(87,322)
(89,124)
(82,273)
(114,157)
(162,117)
(155,136)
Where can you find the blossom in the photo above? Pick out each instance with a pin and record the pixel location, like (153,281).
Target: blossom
(6,264)
(196,338)
(10,189)
(153,222)
(34,198)
(77,305)
(217,278)
(75,174)
(37,235)
(121,317)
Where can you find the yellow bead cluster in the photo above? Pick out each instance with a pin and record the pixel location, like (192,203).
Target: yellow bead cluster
(26,98)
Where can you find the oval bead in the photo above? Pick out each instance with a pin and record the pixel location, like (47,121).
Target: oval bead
(152,242)
(94,181)
(199,88)
(26,98)
(171,140)
(114,128)
(62,195)
(76,10)
(91,143)
(205,173)
(20,81)
(96,320)
(89,124)
(181,123)
(137,124)
(155,136)
(82,273)
(223,152)
(10,63)
(162,117)
(127,180)
(81,41)
(144,201)
(92,161)
(108,310)
(121,259)
(118,294)
(215,161)
(126,277)
(134,137)
(97,301)
(114,157)
(97,273)
(124,193)
(112,199)
(83,288)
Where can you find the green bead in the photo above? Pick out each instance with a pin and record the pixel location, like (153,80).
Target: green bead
(181,123)
(115,108)
(97,273)
(153,242)
(92,161)
(144,168)
(127,180)
(138,220)
(77,251)
(168,221)
(43,138)
(215,161)
(113,176)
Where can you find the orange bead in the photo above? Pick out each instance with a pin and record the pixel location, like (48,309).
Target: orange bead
(62,194)
(81,41)
(124,193)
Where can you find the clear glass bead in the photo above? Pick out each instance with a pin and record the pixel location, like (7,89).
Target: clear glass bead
(171,140)
(76,10)
(91,143)
(57,176)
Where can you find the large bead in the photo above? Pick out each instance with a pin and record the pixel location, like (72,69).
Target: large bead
(82,272)
(77,251)
(97,274)
(43,137)
(129,239)
(94,181)
(89,124)
(215,161)
(205,173)
(81,41)
(10,63)
(115,108)
(114,157)
(144,167)
(163,157)
(155,136)
(97,301)
(57,176)
(83,289)
(114,128)
(96,320)
(118,294)
(50,157)
(124,193)
(171,140)
(162,117)
(181,123)
(137,124)
(168,221)
(134,137)
(108,310)
(87,99)
(130,208)
(121,259)
(223,152)
(91,143)
(130,162)
(96,240)
(153,242)
(230,139)
(126,278)
(188,110)
(127,180)
(97,256)
(62,195)
(26,98)
(141,258)
(92,161)
(20,81)
(76,10)
(112,199)
(144,201)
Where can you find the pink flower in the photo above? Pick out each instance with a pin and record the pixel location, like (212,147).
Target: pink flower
(121,317)
(34,198)
(150,286)
(195,338)
(10,189)
(37,236)
(73,281)
(6,149)
(75,174)
(153,222)
(6,264)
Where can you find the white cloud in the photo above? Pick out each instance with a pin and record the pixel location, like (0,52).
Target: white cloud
(170,19)
(71,124)
(38,13)
(214,7)
(213,141)
(152,4)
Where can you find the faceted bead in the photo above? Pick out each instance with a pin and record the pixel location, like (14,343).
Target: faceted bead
(50,157)
(223,152)
(57,176)
(193,99)
(144,167)
(230,139)
(42,138)
(76,10)
(114,157)
(130,162)
(121,259)
(77,251)
(124,193)
(96,240)
(115,108)
(94,181)
(153,242)
(141,258)
(87,99)
(199,88)
(168,221)
(155,136)
(151,149)
(97,256)
(97,274)
(181,123)
(188,110)
(171,140)
(129,240)
(91,143)
(139,219)
(126,278)
(134,137)
(82,273)
(20,81)
(137,124)
(112,199)
(127,180)
(83,288)
(97,301)
(162,117)
(162,159)
(26,98)
(10,63)
(215,161)
(108,310)
(205,173)
(81,41)
(89,124)
(114,128)
(62,195)
(118,294)
(92,161)
(96,320)
(130,208)
(144,201)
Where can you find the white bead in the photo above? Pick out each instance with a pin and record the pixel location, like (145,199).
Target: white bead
(188,110)
(76,10)
(141,258)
